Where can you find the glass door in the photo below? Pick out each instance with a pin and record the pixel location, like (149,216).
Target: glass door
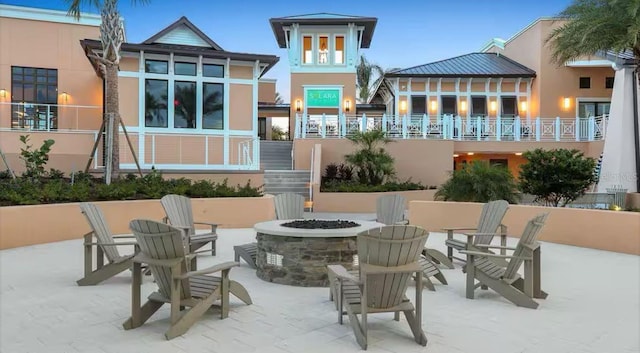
(262,128)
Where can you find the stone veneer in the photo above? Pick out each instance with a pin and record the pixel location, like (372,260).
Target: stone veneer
(304,259)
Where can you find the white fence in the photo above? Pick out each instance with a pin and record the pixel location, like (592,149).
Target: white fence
(52,117)
(449,127)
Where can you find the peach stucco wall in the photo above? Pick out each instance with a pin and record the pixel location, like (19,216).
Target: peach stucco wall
(267,91)
(241,107)
(597,229)
(421,160)
(40,44)
(128,89)
(360,202)
(64,221)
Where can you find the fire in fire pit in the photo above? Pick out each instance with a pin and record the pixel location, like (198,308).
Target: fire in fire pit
(320,224)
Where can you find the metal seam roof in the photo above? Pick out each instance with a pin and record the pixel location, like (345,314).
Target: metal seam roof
(469,65)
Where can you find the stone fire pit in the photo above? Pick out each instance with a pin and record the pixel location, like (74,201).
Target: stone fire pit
(299,256)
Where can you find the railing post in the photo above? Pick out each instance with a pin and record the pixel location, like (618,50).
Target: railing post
(323,131)
(517,129)
(591,128)
(296,129)
(425,121)
(343,125)
(557,129)
(445,128)
(498,128)
(364,123)
(46,121)
(576,130)
(478,128)
(404,126)
(458,126)
(538,129)
(384,122)
(304,126)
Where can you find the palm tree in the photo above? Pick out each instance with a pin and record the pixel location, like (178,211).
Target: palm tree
(112,37)
(365,73)
(278,98)
(594,26)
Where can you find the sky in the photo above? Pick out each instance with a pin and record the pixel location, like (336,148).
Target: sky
(408,33)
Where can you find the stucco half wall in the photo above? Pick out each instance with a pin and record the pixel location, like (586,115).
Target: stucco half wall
(58,222)
(597,229)
(361,202)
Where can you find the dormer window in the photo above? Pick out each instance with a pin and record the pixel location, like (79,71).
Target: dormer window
(339,50)
(307,50)
(323,50)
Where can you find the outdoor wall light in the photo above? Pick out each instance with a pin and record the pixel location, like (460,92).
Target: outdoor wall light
(65,97)
(470,153)
(566,103)
(3,93)
(463,106)
(493,106)
(298,105)
(403,106)
(518,153)
(456,155)
(347,105)
(434,106)
(523,106)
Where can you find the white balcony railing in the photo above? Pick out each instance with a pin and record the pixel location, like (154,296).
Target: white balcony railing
(449,127)
(51,117)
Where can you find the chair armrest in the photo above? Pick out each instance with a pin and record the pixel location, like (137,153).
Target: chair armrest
(123,237)
(143,259)
(460,228)
(367,269)
(341,273)
(207,223)
(485,254)
(114,244)
(495,247)
(216,268)
(402,222)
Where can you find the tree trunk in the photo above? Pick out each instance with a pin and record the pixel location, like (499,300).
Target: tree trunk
(112,107)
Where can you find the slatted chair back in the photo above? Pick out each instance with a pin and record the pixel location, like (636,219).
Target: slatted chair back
(161,241)
(289,206)
(492,214)
(389,246)
(526,242)
(100,228)
(178,210)
(390,209)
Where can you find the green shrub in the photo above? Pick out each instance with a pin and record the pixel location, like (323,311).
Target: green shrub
(372,163)
(339,186)
(479,182)
(34,160)
(556,177)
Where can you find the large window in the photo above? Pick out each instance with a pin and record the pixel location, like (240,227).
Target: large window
(585,82)
(184,103)
(212,106)
(509,107)
(38,89)
(323,50)
(155,103)
(589,109)
(479,106)
(338,56)
(186,69)
(418,105)
(449,105)
(156,67)
(210,70)
(307,50)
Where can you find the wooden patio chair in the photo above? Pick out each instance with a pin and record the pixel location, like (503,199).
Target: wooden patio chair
(180,215)
(163,251)
(105,247)
(288,206)
(388,258)
(520,290)
(490,220)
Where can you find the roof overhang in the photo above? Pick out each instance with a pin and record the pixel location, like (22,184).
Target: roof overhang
(94,46)
(389,75)
(589,63)
(278,25)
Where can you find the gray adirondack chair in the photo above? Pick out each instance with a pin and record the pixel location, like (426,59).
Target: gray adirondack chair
(520,290)
(490,219)
(105,247)
(288,206)
(390,209)
(180,215)
(388,258)
(162,249)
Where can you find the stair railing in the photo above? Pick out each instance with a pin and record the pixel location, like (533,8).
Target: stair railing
(311,178)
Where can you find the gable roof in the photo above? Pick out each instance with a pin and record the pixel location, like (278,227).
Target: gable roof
(324,19)
(468,65)
(183,25)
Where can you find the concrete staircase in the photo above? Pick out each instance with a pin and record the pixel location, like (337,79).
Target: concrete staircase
(275,155)
(281,181)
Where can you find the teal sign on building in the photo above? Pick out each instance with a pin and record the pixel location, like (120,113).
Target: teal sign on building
(323,98)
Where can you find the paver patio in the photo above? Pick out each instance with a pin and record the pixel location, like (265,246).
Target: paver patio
(593,306)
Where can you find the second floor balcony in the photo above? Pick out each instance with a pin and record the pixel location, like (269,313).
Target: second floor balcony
(450,127)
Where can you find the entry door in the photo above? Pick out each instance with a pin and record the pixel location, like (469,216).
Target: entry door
(589,109)
(262,128)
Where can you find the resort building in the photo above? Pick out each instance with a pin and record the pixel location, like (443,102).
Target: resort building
(189,106)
